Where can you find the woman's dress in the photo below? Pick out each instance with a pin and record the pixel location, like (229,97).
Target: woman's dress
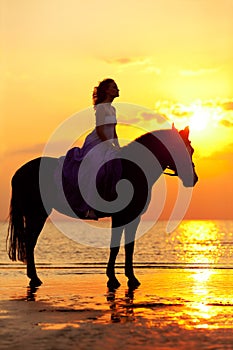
(94,169)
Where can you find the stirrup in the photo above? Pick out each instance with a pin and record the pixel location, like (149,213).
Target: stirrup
(94,217)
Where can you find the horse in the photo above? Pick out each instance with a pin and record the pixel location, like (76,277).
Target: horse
(143,160)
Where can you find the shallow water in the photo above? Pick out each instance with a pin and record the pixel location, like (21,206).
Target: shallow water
(172,309)
(193,244)
(185,299)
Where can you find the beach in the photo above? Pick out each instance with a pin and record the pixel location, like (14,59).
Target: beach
(172,309)
(184,301)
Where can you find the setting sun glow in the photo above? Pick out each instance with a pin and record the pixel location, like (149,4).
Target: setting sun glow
(200,119)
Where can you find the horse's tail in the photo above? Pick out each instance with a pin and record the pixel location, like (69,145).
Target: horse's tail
(16,243)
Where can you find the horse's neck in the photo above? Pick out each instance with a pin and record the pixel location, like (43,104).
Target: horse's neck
(150,153)
(160,143)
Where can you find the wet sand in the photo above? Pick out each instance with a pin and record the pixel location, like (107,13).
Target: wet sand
(172,309)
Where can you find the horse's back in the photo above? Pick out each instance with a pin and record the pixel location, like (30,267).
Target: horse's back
(34,165)
(27,180)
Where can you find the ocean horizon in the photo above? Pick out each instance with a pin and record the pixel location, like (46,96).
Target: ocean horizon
(193,244)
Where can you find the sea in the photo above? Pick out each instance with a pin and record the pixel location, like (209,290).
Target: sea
(204,244)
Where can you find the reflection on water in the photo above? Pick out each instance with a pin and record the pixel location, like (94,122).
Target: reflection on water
(57,326)
(201,282)
(31,293)
(191,299)
(202,242)
(122,309)
(186,280)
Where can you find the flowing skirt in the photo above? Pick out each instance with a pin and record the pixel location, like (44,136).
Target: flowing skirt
(88,174)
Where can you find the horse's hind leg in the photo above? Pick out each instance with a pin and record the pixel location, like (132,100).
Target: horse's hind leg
(34,224)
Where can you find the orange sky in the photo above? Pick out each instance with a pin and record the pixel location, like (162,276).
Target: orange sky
(173,57)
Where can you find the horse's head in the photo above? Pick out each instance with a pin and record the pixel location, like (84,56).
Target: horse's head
(184,167)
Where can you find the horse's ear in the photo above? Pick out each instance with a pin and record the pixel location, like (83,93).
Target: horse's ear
(185,133)
(173,127)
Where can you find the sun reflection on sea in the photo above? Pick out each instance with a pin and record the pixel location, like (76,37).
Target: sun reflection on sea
(195,298)
(197,293)
(200,312)
(200,237)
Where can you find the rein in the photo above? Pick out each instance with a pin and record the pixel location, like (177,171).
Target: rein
(170,174)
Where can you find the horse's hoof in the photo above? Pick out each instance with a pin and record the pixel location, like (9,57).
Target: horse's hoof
(133,283)
(35,282)
(113,284)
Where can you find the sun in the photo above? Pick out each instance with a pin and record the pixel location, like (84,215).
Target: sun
(199,119)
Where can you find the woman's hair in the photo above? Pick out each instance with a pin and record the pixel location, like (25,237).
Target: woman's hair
(99,92)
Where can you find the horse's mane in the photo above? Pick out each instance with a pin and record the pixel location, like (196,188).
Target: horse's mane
(166,145)
(165,134)
(156,138)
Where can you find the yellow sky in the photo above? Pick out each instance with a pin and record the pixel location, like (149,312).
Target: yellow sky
(171,56)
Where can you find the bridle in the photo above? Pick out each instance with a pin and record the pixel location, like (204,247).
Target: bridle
(170,174)
(190,151)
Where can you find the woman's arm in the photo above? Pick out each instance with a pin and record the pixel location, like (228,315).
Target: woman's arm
(101,132)
(116,142)
(102,135)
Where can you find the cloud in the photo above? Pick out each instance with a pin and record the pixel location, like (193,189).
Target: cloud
(121,60)
(160,118)
(225,154)
(226,123)
(126,61)
(180,111)
(152,69)
(35,149)
(56,149)
(146,63)
(133,121)
(198,72)
(228,106)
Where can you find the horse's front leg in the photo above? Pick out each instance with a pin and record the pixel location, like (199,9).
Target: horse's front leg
(130,232)
(113,282)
